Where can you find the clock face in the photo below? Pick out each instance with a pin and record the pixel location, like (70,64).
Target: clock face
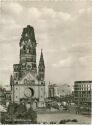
(28,92)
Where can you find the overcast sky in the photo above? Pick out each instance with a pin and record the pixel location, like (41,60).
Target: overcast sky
(62,29)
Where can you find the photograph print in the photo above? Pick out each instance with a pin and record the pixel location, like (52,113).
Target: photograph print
(45,61)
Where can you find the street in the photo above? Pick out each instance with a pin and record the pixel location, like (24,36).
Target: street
(56,117)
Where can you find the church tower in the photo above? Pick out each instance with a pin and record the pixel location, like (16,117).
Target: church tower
(25,82)
(28,51)
(41,68)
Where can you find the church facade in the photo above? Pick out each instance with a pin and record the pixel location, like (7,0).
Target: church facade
(27,82)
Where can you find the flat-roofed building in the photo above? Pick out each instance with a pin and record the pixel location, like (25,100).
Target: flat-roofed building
(53,90)
(83,92)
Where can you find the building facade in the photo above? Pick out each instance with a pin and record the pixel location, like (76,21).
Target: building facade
(59,90)
(27,81)
(83,92)
(2,96)
(53,90)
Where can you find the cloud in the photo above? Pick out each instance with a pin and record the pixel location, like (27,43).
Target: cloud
(11,8)
(86,61)
(34,12)
(64,63)
(16,8)
(65,16)
(85,10)
(63,32)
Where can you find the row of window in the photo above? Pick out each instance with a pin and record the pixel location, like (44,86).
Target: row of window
(26,50)
(83,92)
(30,59)
(83,86)
(83,99)
(88,94)
(85,89)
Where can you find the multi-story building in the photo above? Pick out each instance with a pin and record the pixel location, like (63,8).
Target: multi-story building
(83,92)
(27,81)
(2,96)
(59,90)
(53,90)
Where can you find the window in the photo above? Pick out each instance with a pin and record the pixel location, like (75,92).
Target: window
(24,47)
(89,92)
(16,82)
(41,82)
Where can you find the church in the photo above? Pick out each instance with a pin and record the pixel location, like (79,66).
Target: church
(27,82)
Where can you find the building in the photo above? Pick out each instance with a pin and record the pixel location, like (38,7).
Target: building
(83,92)
(59,90)
(53,90)
(2,96)
(27,81)
(1,93)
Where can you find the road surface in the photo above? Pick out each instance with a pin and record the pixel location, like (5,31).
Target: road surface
(56,117)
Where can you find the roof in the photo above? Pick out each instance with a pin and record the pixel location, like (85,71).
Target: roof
(41,62)
(87,81)
(29,76)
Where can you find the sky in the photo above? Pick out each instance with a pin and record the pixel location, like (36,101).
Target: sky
(63,29)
